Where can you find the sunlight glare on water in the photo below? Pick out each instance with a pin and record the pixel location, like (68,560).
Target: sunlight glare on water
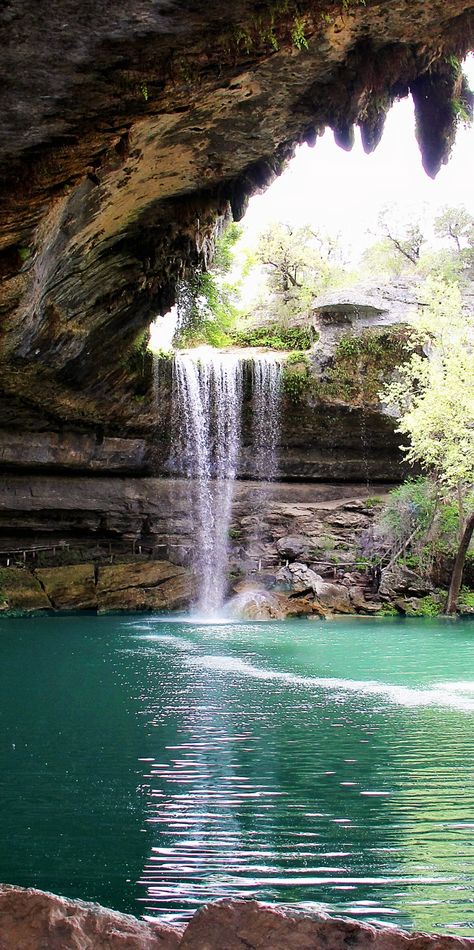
(156,764)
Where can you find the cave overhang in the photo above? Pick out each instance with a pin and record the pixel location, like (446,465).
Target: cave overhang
(131,134)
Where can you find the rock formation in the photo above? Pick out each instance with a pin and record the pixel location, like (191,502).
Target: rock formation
(33,919)
(129,135)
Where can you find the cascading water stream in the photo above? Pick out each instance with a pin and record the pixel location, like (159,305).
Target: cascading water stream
(207,393)
(266,410)
(206,446)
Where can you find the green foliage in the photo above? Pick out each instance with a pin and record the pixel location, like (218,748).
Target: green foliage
(296,379)
(388,611)
(466,597)
(207,307)
(144,91)
(243,39)
(428,606)
(298,264)
(296,356)
(461,112)
(298,35)
(434,397)
(24,254)
(361,363)
(419,527)
(410,506)
(404,248)
(455,64)
(275,336)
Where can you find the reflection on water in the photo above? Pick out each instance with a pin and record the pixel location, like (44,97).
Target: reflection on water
(329,764)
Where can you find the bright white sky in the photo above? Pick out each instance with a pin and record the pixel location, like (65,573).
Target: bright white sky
(344,192)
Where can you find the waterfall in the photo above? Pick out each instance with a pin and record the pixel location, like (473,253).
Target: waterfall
(266,408)
(207,394)
(206,445)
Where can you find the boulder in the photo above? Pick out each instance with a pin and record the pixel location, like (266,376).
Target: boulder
(144,585)
(254,603)
(31,919)
(331,597)
(20,591)
(71,587)
(334,597)
(402,581)
(136,574)
(359,602)
(299,577)
(240,925)
(292,546)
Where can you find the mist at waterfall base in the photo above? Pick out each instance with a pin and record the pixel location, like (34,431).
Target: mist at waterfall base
(208,394)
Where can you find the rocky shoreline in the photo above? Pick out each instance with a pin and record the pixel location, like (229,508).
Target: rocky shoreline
(160,586)
(294,550)
(31,919)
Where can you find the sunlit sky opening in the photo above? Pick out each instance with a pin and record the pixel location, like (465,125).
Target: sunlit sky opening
(344,192)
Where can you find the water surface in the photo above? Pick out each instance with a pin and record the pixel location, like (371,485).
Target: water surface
(154,765)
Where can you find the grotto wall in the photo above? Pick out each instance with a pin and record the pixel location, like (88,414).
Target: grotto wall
(131,130)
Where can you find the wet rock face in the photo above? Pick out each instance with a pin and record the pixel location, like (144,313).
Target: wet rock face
(125,138)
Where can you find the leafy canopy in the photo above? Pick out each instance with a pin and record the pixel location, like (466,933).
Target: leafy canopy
(434,391)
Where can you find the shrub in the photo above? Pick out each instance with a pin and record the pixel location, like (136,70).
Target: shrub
(276,336)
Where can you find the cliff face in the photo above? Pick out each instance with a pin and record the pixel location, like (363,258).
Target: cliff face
(130,130)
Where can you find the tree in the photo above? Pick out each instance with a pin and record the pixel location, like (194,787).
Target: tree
(298,262)
(407,240)
(456,224)
(434,396)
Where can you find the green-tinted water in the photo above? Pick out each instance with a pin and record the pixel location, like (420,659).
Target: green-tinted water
(154,765)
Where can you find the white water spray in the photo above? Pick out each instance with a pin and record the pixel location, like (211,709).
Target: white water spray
(207,395)
(206,444)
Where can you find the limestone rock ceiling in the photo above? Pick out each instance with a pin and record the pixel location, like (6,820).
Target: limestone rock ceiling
(130,128)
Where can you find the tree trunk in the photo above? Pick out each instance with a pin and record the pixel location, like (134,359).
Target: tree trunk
(462,518)
(456,578)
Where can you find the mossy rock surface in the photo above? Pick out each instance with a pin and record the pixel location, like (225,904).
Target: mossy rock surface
(21,592)
(71,587)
